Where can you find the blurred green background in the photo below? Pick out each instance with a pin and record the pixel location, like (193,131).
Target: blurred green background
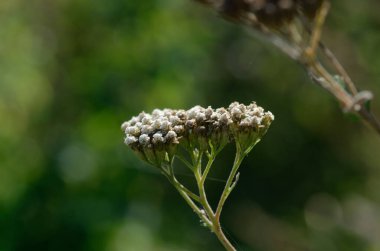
(71,71)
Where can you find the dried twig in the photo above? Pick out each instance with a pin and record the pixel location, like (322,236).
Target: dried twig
(295,27)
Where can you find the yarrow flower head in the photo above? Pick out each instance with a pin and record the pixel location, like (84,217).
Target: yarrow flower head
(290,25)
(250,123)
(202,133)
(156,136)
(271,13)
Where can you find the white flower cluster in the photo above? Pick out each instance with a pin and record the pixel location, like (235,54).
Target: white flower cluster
(249,116)
(167,127)
(162,126)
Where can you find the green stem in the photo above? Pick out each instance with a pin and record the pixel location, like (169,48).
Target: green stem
(207,215)
(215,227)
(229,184)
(202,192)
(169,173)
(189,200)
(222,238)
(211,158)
(192,195)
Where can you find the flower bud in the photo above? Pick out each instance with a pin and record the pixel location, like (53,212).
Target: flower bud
(144,140)
(129,140)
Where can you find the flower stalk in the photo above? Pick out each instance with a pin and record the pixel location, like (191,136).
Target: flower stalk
(202,133)
(295,27)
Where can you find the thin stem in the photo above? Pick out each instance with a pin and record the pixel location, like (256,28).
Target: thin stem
(186,190)
(210,219)
(189,201)
(315,35)
(222,237)
(370,118)
(334,87)
(195,208)
(345,98)
(205,212)
(211,159)
(202,192)
(291,44)
(317,31)
(200,178)
(173,180)
(227,189)
(339,68)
